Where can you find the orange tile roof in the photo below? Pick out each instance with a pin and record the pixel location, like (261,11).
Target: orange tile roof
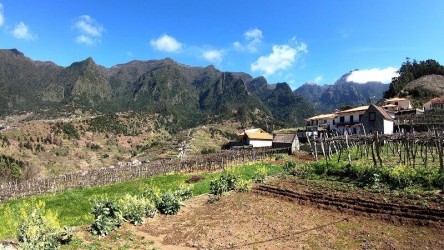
(321,117)
(257,133)
(395,99)
(357,109)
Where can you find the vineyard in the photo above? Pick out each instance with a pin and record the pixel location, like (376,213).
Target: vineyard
(100,177)
(409,148)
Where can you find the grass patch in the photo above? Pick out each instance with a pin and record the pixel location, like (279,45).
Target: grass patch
(74,206)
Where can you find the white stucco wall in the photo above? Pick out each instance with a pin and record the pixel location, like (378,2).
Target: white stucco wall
(405,104)
(260,143)
(388,127)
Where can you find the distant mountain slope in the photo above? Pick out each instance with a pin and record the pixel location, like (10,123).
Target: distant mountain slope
(185,94)
(343,92)
(288,107)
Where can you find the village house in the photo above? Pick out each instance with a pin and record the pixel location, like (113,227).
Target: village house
(256,138)
(376,119)
(434,104)
(326,121)
(286,141)
(350,120)
(396,104)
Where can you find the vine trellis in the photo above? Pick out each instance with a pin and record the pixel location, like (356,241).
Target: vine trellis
(410,148)
(109,175)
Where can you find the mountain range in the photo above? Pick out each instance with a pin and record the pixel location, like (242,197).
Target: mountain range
(187,95)
(342,93)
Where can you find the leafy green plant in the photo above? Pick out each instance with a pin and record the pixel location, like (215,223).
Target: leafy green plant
(107,217)
(226,182)
(290,167)
(40,229)
(169,203)
(184,192)
(401,176)
(218,187)
(134,208)
(243,185)
(260,174)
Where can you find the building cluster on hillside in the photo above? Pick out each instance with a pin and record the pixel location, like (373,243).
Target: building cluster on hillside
(367,119)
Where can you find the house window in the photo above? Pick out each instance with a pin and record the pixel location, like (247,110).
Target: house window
(341,119)
(360,117)
(372,116)
(351,119)
(334,122)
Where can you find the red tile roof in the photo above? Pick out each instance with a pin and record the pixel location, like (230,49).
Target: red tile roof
(383,113)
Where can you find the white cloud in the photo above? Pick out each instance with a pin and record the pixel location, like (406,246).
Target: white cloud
(166,43)
(253,38)
(90,31)
(214,56)
(281,58)
(373,75)
(21,31)
(2,17)
(318,79)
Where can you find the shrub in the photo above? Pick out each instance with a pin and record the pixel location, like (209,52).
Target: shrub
(184,193)
(40,229)
(226,182)
(218,187)
(290,167)
(169,203)
(401,176)
(134,208)
(61,151)
(153,194)
(70,131)
(279,157)
(11,169)
(107,217)
(243,185)
(230,178)
(260,174)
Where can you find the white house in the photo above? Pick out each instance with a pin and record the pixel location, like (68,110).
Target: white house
(350,119)
(256,137)
(434,104)
(326,121)
(395,104)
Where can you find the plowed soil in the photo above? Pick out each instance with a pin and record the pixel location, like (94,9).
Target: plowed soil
(396,209)
(290,214)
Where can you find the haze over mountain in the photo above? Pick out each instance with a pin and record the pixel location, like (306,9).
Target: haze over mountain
(190,95)
(343,92)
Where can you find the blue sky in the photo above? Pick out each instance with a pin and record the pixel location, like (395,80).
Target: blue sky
(290,41)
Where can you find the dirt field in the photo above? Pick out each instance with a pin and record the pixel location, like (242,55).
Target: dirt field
(256,221)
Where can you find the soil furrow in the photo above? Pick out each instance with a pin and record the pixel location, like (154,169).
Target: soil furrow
(421,215)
